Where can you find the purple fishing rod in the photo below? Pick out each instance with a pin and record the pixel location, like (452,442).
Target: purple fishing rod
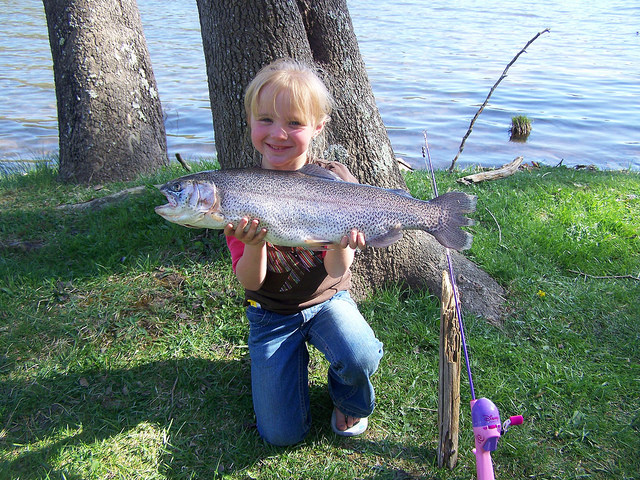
(485,417)
(427,156)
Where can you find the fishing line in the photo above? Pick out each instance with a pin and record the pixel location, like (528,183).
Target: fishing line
(426,155)
(485,417)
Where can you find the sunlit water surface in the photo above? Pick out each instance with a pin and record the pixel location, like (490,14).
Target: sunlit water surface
(431,65)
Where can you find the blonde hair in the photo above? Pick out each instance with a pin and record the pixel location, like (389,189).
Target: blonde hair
(308,94)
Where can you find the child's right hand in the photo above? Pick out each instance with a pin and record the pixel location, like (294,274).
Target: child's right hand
(354,240)
(248,236)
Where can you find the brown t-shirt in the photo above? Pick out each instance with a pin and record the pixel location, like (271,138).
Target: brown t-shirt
(296,278)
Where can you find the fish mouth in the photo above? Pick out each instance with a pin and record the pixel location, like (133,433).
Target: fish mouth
(166,209)
(170,198)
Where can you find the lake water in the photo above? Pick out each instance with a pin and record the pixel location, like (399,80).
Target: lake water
(431,65)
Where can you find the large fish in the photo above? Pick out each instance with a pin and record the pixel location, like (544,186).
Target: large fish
(312,208)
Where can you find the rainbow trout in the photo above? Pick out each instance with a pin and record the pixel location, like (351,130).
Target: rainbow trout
(312,208)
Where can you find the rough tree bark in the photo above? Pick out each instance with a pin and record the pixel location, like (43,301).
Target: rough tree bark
(110,119)
(239,40)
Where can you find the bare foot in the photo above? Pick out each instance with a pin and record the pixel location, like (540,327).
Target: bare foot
(343,422)
(347,426)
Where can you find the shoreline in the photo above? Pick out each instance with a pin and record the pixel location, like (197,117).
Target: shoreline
(23,166)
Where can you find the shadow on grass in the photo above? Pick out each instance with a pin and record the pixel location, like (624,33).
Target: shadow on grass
(190,418)
(410,455)
(44,244)
(197,410)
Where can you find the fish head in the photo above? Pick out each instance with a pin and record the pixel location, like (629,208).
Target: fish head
(192,203)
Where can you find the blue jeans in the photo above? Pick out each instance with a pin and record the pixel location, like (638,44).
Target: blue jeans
(279,365)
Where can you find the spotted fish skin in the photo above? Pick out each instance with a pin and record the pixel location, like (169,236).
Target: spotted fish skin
(310,208)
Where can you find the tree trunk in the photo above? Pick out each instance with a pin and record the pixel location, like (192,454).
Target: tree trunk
(110,119)
(238,41)
(356,123)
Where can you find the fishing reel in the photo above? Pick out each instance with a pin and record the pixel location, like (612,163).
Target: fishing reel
(487,430)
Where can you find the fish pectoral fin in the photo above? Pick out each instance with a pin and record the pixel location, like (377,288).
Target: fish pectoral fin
(386,239)
(316,243)
(216,217)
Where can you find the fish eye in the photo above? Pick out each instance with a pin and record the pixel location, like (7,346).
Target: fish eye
(176,187)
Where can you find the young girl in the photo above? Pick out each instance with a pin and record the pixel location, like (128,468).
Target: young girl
(297,295)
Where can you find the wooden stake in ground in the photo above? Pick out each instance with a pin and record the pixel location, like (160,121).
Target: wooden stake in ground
(449,384)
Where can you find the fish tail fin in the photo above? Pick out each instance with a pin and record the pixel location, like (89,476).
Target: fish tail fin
(453,206)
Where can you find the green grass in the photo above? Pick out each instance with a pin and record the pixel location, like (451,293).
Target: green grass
(123,342)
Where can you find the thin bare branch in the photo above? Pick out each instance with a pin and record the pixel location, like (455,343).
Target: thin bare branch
(499,229)
(606,277)
(184,164)
(504,74)
(102,202)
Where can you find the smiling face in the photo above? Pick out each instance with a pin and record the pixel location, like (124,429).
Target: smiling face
(280,131)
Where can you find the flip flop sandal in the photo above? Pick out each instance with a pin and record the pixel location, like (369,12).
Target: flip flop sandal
(358,429)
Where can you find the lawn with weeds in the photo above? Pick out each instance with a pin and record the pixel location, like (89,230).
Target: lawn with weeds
(123,342)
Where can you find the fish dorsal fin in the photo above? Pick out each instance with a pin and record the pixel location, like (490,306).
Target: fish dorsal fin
(317,171)
(402,192)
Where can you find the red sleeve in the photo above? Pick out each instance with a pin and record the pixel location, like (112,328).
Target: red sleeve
(236,247)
